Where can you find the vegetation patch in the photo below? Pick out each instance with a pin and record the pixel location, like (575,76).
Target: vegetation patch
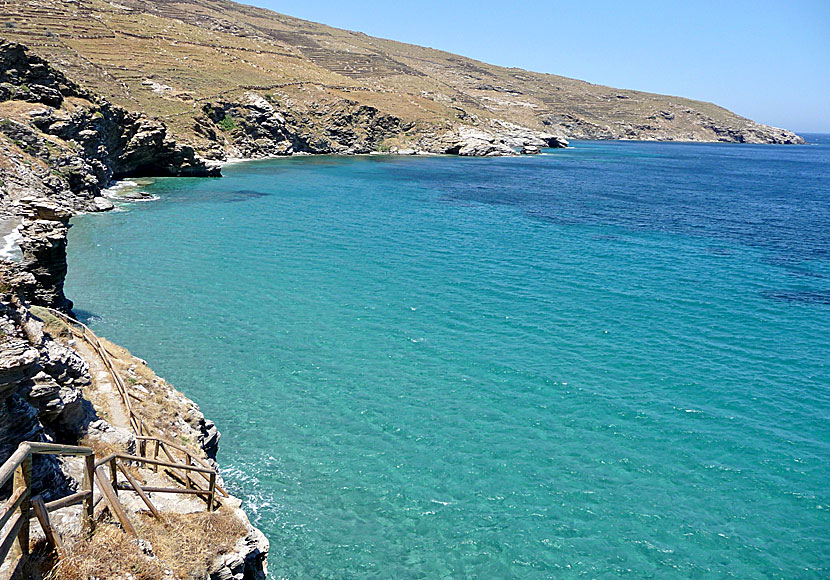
(227,124)
(184,544)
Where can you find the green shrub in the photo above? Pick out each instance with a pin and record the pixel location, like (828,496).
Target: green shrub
(227,123)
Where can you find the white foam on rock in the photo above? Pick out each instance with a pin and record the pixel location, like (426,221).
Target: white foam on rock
(8,247)
(117,188)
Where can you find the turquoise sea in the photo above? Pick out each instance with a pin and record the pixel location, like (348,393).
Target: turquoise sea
(606,361)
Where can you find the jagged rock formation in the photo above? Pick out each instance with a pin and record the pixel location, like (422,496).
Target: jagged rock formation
(43,243)
(255,126)
(63,142)
(247,561)
(40,384)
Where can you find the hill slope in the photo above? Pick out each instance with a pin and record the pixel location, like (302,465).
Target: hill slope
(234,79)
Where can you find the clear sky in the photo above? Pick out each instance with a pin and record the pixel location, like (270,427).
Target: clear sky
(765,59)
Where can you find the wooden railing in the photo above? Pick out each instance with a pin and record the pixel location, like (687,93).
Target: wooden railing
(189,469)
(141,431)
(83,332)
(16,512)
(169,449)
(15,515)
(121,461)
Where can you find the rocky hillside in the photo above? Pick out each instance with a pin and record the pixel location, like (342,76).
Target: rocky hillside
(61,141)
(234,80)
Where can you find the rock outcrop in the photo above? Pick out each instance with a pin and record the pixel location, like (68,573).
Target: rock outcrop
(74,142)
(40,385)
(247,561)
(498,139)
(43,243)
(255,126)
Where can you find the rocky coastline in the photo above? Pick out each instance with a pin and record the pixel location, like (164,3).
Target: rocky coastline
(61,145)
(50,392)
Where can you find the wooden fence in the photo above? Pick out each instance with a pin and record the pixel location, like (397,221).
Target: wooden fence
(195,474)
(17,511)
(82,331)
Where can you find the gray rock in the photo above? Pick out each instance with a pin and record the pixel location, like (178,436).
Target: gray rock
(17,363)
(102,204)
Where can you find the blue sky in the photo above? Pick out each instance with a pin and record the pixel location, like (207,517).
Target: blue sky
(767,60)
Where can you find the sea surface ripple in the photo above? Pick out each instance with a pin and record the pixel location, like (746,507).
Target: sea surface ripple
(608,361)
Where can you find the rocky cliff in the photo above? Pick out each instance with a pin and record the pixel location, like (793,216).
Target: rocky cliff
(60,141)
(40,384)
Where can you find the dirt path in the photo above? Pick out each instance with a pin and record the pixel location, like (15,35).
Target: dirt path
(107,391)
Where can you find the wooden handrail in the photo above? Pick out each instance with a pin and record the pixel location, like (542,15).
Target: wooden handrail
(67,501)
(11,507)
(147,460)
(165,443)
(13,462)
(86,334)
(19,504)
(38,448)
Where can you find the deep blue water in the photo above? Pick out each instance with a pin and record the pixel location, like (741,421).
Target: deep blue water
(608,361)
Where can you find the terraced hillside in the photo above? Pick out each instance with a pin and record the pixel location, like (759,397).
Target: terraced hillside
(212,69)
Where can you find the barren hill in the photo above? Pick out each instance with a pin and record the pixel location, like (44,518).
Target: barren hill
(236,80)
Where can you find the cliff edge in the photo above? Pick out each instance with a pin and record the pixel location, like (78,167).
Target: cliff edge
(56,387)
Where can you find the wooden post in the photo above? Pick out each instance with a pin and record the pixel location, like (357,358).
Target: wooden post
(212,488)
(112,500)
(188,482)
(23,479)
(52,535)
(114,474)
(89,501)
(137,487)
(156,455)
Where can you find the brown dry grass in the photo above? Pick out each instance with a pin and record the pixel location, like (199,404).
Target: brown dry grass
(184,544)
(190,543)
(39,564)
(109,553)
(52,325)
(101,448)
(170,43)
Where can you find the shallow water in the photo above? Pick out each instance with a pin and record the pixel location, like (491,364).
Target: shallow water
(607,361)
